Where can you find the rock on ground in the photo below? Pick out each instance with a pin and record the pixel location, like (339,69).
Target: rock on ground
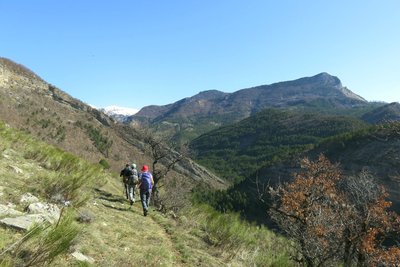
(8,211)
(24,222)
(80,257)
(50,211)
(28,198)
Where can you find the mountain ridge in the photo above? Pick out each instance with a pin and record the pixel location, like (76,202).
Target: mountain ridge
(322,80)
(383,114)
(190,117)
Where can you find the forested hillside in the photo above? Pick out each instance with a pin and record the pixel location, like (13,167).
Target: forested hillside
(373,149)
(383,114)
(237,151)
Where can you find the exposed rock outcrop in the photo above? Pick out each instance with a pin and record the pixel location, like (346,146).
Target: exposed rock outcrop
(36,213)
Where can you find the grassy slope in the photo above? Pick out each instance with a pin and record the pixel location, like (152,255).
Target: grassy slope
(117,234)
(121,236)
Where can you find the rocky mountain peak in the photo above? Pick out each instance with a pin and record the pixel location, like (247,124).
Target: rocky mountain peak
(327,79)
(209,94)
(322,79)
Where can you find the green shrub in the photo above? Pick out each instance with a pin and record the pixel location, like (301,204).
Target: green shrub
(69,177)
(105,164)
(64,177)
(227,232)
(43,243)
(101,142)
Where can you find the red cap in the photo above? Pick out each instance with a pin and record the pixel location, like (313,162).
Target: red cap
(145,168)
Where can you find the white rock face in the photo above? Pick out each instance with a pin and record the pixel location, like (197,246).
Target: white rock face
(50,211)
(37,213)
(28,198)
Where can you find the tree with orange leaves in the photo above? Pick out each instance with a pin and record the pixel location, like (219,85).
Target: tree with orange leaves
(333,219)
(369,223)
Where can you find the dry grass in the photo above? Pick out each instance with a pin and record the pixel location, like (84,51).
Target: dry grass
(117,234)
(113,233)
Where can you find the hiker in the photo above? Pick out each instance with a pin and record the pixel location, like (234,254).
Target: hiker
(127,178)
(133,181)
(145,185)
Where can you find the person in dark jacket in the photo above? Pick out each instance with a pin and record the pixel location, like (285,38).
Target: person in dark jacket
(127,178)
(145,185)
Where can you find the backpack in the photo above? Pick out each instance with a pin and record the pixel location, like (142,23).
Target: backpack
(145,184)
(126,173)
(133,178)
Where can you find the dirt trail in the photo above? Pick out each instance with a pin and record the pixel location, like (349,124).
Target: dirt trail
(123,232)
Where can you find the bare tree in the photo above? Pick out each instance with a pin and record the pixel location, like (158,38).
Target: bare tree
(164,159)
(370,223)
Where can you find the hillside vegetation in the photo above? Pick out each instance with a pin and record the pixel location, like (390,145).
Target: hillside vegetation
(239,150)
(89,222)
(30,104)
(373,149)
(383,114)
(99,223)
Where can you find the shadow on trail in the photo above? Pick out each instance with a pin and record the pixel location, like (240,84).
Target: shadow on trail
(104,195)
(117,208)
(109,197)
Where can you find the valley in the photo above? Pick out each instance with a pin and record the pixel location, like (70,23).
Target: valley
(215,154)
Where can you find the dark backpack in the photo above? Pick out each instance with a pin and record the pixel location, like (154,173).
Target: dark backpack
(126,173)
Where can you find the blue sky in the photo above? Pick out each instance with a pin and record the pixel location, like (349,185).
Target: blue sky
(141,52)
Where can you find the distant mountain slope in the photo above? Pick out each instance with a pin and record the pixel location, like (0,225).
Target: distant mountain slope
(193,116)
(246,101)
(300,92)
(202,103)
(238,150)
(29,103)
(386,113)
(374,149)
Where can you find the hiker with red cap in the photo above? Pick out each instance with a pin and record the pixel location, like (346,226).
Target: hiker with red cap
(146,185)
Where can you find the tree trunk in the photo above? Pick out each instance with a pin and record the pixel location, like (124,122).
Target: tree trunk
(347,251)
